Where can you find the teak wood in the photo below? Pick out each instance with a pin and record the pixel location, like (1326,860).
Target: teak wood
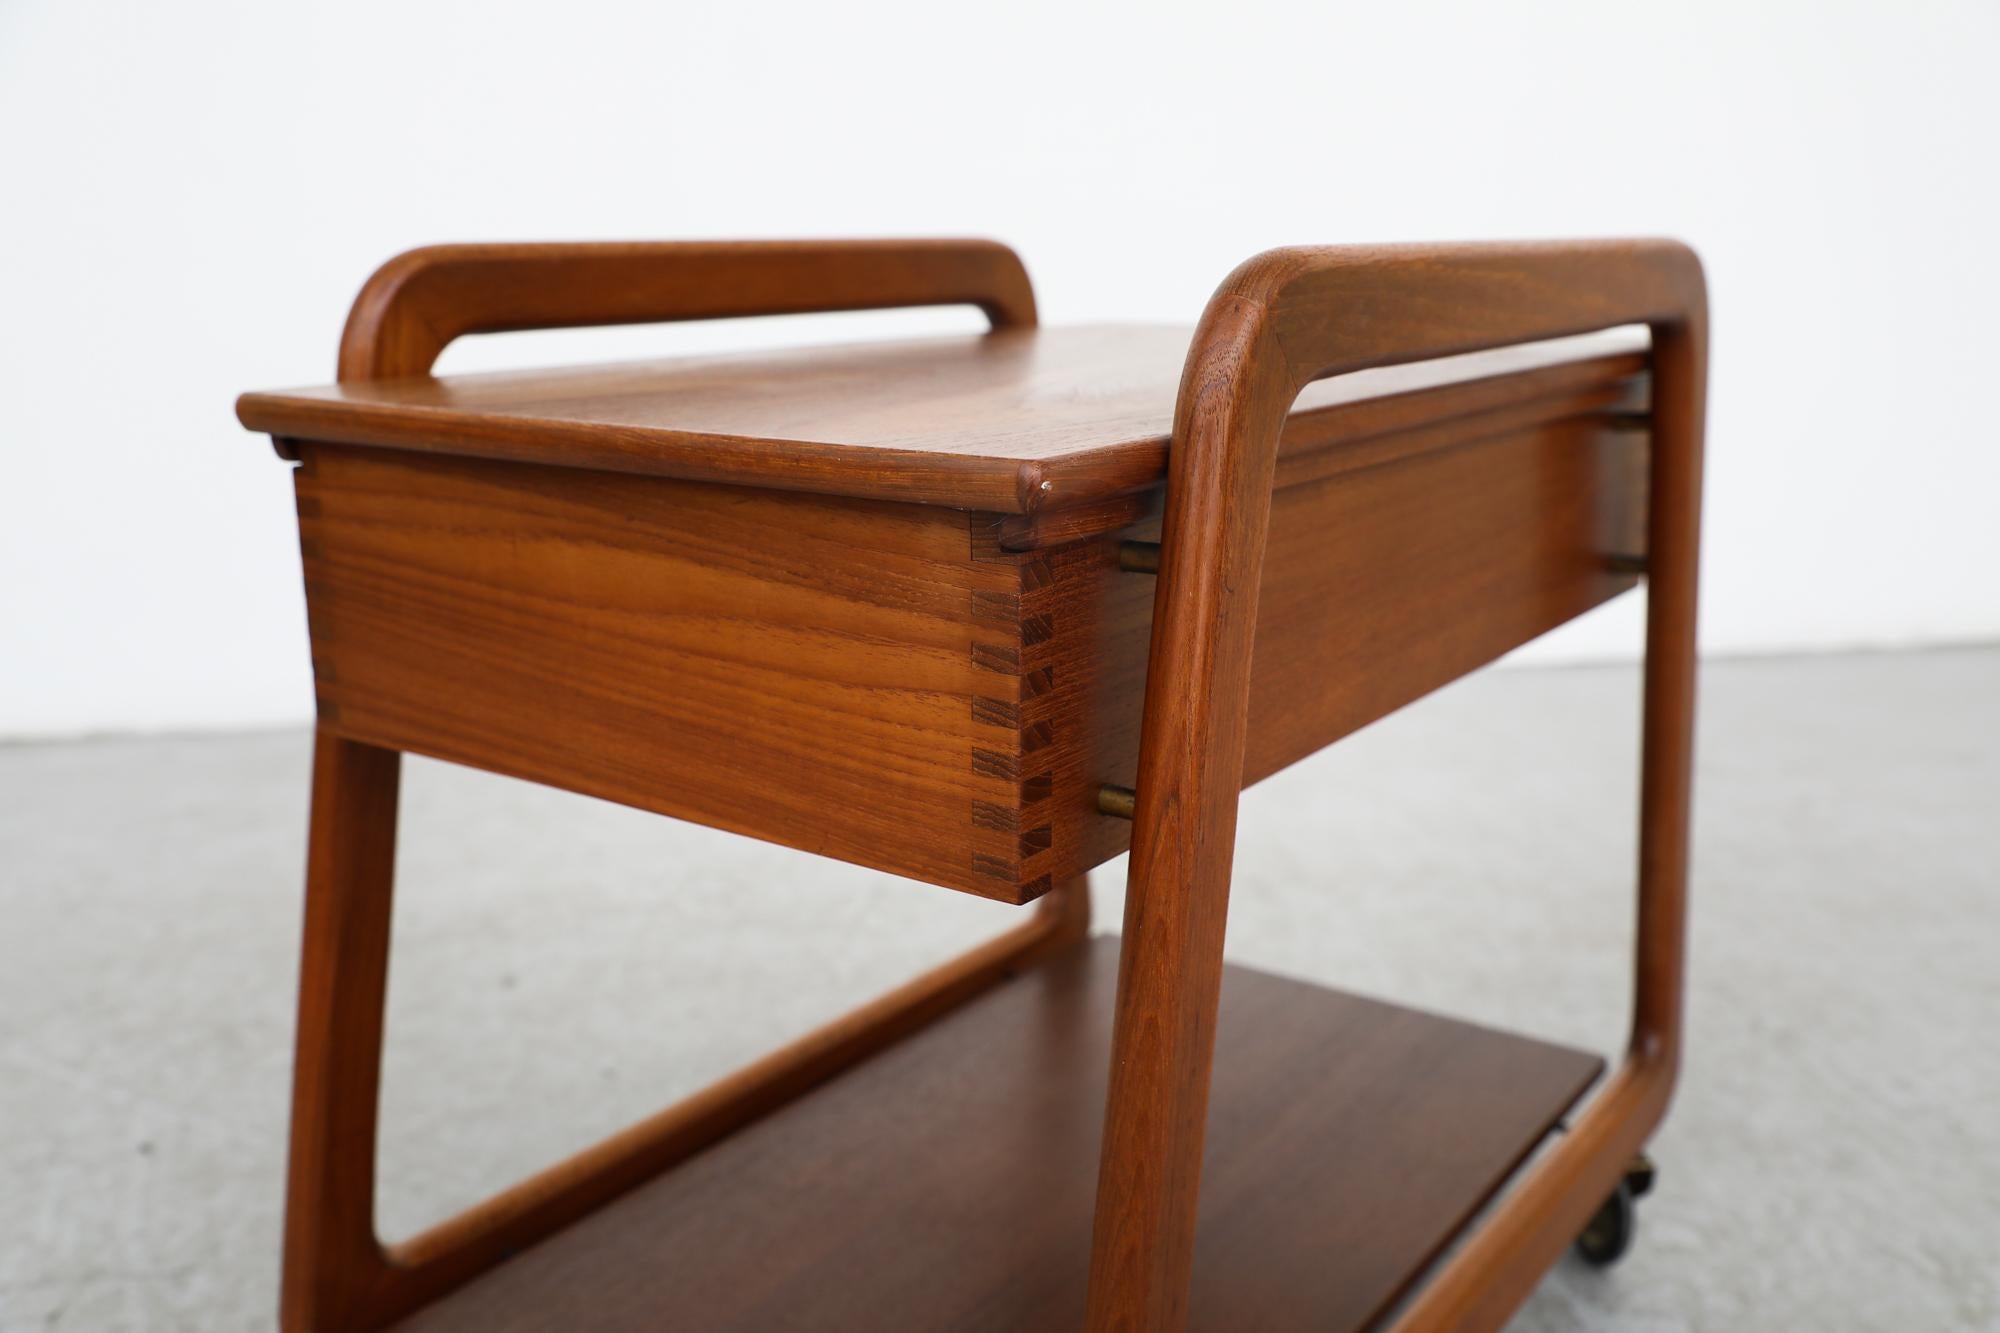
(958,1171)
(1282,320)
(417,303)
(929,691)
(1019,421)
(883,603)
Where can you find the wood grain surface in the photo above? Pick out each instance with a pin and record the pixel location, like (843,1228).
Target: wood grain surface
(420,301)
(1497,540)
(1019,421)
(870,602)
(1279,322)
(837,675)
(890,684)
(947,1183)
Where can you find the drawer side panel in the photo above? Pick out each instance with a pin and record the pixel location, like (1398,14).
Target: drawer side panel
(1381,583)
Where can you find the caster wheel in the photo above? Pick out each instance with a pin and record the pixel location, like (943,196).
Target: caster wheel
(1639,1176)
(1609,1234)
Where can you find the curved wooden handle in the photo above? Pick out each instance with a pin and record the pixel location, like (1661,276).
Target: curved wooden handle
(418,302)
(1280,321)
(1335,309)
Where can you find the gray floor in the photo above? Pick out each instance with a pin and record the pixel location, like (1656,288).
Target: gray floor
(1833,1161)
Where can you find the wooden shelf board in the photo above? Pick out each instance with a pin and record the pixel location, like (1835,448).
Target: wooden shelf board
(948,1183)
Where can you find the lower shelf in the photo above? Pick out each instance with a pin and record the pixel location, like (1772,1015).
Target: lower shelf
(948,1183)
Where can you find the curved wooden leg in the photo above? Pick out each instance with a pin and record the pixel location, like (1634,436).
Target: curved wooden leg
(1481,1285)
(337,1274)
(433,1263)
(1149,1171)
(333,1265)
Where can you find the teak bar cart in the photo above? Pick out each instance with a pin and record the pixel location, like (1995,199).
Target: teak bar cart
(985,611)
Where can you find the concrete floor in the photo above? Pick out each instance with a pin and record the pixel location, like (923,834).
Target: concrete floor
(1833,1161)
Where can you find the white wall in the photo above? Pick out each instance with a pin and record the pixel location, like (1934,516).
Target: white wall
(190,193)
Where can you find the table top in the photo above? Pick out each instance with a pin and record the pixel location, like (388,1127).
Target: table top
(1019,421)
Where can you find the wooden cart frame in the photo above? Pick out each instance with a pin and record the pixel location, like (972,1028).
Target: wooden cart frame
(1283,320)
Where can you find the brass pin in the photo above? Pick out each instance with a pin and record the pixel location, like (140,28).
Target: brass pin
(1139,557)
(1119,802)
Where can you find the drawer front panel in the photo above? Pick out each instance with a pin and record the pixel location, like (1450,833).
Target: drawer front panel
(835,675)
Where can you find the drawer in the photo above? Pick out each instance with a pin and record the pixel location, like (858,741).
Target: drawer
(894,684)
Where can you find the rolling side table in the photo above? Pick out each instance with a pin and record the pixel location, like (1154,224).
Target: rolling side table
(984,612)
